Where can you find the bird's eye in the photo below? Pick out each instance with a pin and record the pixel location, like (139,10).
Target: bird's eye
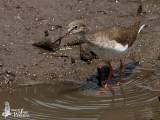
(76,27)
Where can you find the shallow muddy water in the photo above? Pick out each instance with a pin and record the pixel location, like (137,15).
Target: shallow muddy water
(66,100)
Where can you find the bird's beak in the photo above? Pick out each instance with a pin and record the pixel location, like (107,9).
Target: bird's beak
(65,35)
(68,33)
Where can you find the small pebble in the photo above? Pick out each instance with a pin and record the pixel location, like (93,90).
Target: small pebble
(72,60)
(159,98)
(1,65)
(159,57)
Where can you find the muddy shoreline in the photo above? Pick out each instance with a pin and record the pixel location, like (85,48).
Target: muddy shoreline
(23,23)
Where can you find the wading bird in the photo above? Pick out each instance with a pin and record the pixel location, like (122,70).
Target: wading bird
(108,43)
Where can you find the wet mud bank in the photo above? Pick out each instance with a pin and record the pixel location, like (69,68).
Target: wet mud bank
(24,22)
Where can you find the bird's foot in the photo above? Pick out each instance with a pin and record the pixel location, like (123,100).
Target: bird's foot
(103,90)
(118,83)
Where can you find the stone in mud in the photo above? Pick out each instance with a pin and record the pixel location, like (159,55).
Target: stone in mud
(1,65)
(159,98)
(10,73)
(72,60)
(159,57)
(53,27)
(47,43)
(139,11)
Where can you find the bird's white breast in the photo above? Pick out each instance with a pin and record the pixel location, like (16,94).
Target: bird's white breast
(120,48)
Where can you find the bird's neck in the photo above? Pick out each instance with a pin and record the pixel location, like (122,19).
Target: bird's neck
(83,35)
(87,38)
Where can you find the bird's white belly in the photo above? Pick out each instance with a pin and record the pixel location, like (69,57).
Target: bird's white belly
(108,53)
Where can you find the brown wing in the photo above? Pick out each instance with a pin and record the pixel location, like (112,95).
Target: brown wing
(123,35)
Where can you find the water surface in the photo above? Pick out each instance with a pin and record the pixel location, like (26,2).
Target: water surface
(64,100)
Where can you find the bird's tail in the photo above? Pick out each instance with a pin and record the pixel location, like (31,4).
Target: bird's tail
(139,26)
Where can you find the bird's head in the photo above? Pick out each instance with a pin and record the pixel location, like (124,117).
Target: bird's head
(77,26)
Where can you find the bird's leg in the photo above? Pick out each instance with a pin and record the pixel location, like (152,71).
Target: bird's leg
(121,67)
(110,75)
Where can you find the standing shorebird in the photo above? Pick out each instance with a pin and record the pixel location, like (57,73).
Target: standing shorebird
(109,43)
